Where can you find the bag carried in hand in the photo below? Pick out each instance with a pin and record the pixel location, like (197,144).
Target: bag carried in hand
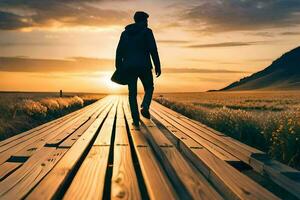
(119,77)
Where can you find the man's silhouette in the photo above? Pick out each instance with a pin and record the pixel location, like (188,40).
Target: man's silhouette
(136,45)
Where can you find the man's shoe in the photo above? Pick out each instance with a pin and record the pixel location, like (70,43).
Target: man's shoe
(145,113)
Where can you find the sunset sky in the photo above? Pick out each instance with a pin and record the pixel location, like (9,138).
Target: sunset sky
(48,45)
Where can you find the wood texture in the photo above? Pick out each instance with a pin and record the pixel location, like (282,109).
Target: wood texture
(228,180)
(191,135)
(157,183)
(30,173)
(255,158)
(7,168)
(37,140)
(96,153)
(59,174)
(17,139)
(190,183)
(89,181)
(124,181)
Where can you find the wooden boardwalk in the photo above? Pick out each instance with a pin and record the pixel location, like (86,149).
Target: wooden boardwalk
(95,153)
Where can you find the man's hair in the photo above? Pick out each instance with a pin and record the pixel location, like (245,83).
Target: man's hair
(140,16)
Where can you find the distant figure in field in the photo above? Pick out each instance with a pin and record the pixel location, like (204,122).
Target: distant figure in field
(136,45)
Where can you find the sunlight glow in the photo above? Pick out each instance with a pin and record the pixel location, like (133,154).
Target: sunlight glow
(109,85)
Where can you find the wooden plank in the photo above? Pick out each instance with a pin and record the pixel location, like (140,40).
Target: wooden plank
(157,184)
(76,134)
(23,179)
(89,181)
(207,130)
(25,141)
(64,168)
(32,135)
(239,145)
(218,141)
(190,135)
(32,132)
(106,131)
(35,145)
(4,156)
(228,180)
(234,184)
(283,175)
(83,118)
(7,168)
(257,159)
(189,183)
(111,100)
(38,128)
(124,180)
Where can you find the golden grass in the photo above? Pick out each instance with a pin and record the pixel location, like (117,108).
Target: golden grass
(22,111)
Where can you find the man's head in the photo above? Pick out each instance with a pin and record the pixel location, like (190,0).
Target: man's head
(140,17)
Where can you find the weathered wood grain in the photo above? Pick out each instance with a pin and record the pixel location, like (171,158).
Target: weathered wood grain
(36,140)
(5,143)
(173,158)
(12,141)
(214,135)
(228,180)
(257,159)
(189,183)
(25,153)
(24,178)
(124,183)
(191,135)
(62,170)
(83,118)
(89,180)
(68,142)
(7,168)
(157,183)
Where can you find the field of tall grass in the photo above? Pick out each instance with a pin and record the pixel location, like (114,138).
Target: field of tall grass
(21,111)
(269,121)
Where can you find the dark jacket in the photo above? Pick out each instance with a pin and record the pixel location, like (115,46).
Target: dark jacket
(136,45)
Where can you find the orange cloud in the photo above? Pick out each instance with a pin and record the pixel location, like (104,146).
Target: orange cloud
(57,13)
(76,64)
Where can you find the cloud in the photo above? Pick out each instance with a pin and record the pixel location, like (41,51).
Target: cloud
(226,44)
(195,70)
(10,21)
(33,43)
(263,34)
(80,65)
(18,14)
(260,60)
(290,33)
(76,64)
(237,15)
(173,41)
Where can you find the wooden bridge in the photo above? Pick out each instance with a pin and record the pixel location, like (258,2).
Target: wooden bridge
(95,153)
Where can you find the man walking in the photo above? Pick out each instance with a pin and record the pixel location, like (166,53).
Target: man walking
(135,47)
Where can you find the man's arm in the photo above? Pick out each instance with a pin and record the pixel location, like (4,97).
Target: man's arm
(154,53)
(119,52)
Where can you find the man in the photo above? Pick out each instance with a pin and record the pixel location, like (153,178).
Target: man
(133,53)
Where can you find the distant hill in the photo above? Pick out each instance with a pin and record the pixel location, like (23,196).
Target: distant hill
(282,74)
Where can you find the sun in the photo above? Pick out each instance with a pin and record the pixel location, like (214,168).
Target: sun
(109,84)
